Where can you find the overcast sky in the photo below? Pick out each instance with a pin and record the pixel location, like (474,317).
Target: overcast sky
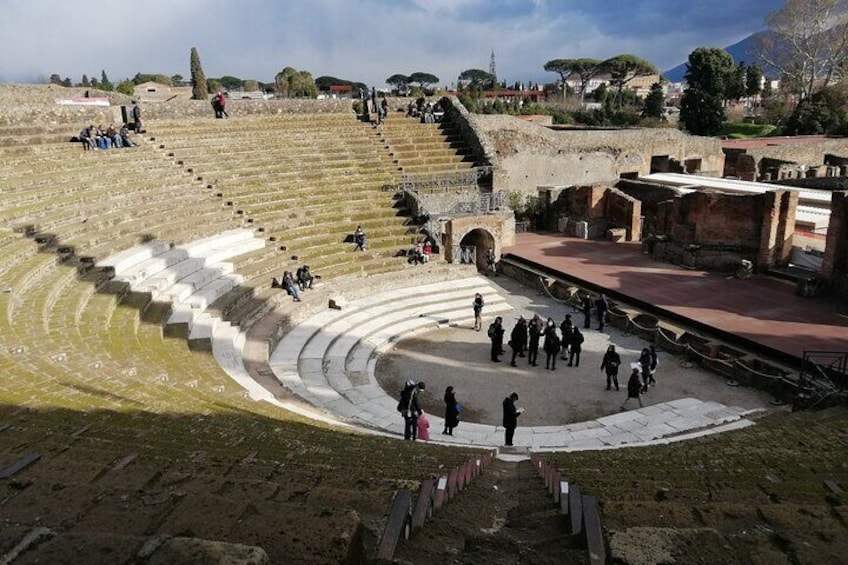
(364,40)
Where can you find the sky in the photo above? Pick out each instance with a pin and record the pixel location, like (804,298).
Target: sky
(360,40)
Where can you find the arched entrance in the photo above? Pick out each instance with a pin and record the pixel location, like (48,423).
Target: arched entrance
(481,240)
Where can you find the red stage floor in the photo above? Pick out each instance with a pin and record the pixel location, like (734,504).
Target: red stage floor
(761,309)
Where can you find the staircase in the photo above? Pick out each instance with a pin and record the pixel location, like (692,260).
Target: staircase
(504,517)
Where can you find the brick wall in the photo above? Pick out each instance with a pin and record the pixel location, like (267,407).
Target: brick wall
(604,207)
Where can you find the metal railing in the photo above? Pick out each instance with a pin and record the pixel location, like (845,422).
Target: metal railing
(465,254)
(444,181)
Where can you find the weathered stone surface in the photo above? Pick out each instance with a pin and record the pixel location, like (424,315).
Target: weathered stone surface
(200,551)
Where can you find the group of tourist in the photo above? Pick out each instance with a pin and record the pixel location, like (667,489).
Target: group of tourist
(416,425)
(295,283)
(420,254)
(99,137)
(525,337)
(424,110)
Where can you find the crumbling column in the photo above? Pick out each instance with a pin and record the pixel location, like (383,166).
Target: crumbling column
(836,247)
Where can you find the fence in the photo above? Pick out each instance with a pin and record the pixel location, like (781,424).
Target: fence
(732,365)
(445,181)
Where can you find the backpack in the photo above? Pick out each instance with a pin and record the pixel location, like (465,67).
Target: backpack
(405,398)
(491,331)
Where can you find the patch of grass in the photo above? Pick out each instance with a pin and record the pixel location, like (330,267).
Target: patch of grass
(740,130)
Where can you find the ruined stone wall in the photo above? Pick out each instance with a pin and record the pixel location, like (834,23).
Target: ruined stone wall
(820,183)
(465,122)
(527,155)
(36,105)
(835,265)
(720,218)
(603,207)
(810,152)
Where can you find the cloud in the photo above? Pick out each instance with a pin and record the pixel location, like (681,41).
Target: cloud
(366,41)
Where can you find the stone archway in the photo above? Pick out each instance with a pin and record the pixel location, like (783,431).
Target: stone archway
(482,240)
(491,231)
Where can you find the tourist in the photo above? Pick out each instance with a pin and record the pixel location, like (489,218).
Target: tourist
(125,137)
(634,388)
(304,278)
(534,333)
(452,411)
(654,363)
(113,136)
(410,409)
(359,239)
(290,286)
(602,307)
(565,329)
(136,115)
(383,112)
(221,110)
(496,333)
(645,367)
(101,137)
(551,345)
(423,427)
(587,311)
(417,256)
(478,311)
(575,346)
(87,139)
(491,261)
(510,417)
(518,339)
(610,363)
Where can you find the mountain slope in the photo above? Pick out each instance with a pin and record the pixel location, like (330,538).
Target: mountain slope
(745,50)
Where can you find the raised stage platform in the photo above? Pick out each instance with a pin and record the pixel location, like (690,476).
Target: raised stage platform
(760,313)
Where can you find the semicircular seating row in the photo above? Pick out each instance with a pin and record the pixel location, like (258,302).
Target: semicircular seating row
(329,360)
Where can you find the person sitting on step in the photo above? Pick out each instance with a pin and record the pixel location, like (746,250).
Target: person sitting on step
(304,278)
(290,286)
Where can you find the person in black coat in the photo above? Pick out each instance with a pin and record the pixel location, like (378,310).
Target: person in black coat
(575,346)
(410,409)
(565,331)
(551,345)
(518,339)
(587,311)
(533,344)
(451,412)
(496,333)
(645,363)
(611,362)
(510,417)
(634,389)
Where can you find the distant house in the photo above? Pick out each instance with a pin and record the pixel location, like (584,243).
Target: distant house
(640,85)
(156,92)
(337,91)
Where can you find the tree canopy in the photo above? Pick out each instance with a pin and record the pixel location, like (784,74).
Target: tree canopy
(654,102)
(624,68)
(477,78)
(807,42)
(753,80)
(398,80)
(424,80)
(291,83)
(585,69)
(199,88)
(709,72)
